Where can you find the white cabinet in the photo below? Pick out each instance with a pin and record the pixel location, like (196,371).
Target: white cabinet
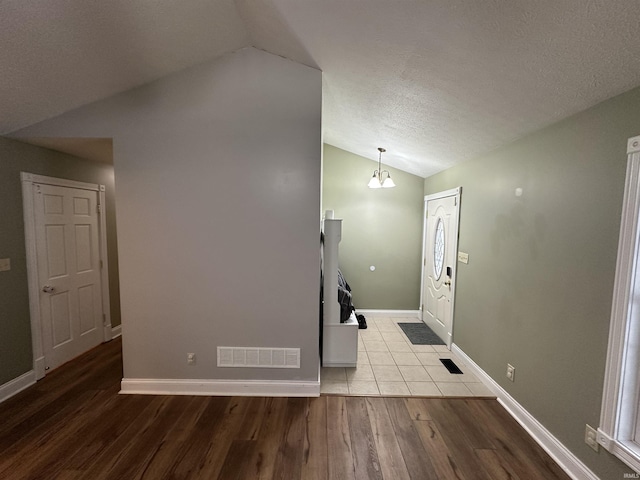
(340,340)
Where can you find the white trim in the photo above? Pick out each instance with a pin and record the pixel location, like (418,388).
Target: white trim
(424,258)
(245,388)
(116,331)
(457,192)
(32,274)
(633,145)
(627,452)
(104,264)
(58,182)
(621,389)
(623,285)
(28,179)
(39,367)
(389,313)
(15,386)
(571,464)
(443,194)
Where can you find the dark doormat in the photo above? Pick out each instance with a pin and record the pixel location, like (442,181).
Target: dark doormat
(420,334)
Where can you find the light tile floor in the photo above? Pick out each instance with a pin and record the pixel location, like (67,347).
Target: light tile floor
(389,364)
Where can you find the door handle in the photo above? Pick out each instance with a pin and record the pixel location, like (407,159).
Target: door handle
(48,289)
(448,281)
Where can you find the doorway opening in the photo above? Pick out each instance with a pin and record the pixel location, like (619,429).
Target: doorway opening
(67,268)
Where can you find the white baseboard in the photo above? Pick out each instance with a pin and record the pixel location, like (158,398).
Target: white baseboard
(116,331)
(389,313)
(246,388)
(39,367)
(16,385)
(571,464)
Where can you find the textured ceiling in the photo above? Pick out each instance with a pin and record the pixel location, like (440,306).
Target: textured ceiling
(56,55)
(435,82)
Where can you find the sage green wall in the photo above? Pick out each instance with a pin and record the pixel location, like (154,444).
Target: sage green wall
(16,356)
(381,227)
(538,288)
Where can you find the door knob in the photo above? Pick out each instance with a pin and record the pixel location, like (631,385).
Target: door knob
(48,289)
(447,283)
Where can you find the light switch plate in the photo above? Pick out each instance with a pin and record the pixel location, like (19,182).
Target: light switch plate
(5,264)
(463,257)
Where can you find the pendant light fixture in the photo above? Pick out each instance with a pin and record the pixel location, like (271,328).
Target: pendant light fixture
(377,178)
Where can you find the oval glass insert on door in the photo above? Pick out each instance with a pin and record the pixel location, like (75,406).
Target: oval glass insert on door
(438,249)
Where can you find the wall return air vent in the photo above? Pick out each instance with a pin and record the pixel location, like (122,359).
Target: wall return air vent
(252,357)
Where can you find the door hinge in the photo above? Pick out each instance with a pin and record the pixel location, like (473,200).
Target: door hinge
(455,201)
(101,264)
(422,307)
(99,208)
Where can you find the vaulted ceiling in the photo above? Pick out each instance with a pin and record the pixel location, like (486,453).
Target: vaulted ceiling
(435,82)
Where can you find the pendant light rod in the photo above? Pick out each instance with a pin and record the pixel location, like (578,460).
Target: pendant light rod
(381,150)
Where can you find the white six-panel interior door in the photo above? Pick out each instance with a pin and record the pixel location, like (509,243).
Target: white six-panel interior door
(64,237)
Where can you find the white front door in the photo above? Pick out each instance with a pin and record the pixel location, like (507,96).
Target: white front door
(68,257)
(440,252)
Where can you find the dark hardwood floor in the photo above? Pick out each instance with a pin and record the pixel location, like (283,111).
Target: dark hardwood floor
(74,425)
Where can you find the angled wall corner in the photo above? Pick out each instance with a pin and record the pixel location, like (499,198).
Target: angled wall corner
(218,173)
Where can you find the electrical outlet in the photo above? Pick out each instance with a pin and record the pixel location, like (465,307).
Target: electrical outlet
(191,358)
(511,372)
(591,437)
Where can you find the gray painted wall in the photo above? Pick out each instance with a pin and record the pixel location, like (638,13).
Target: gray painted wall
(16,356)
(218,172)
(381,227)
(538,288)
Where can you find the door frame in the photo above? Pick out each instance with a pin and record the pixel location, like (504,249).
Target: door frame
(28,180)
(457,192)
(621,391)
